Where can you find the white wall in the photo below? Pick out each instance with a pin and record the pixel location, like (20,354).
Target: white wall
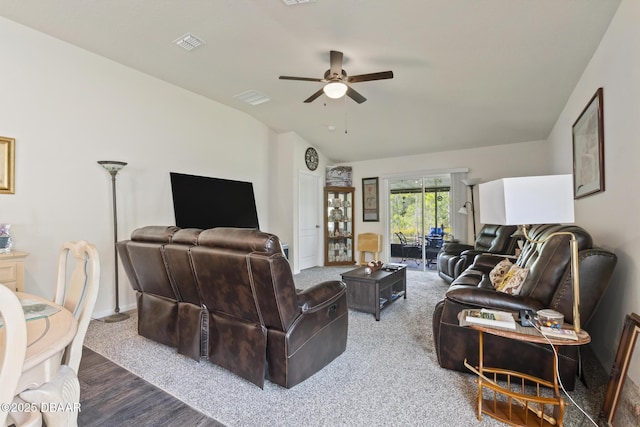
(611,216)
(68,108)
(290,158)
(488,163)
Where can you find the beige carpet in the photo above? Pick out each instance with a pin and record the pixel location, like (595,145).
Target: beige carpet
(388,376)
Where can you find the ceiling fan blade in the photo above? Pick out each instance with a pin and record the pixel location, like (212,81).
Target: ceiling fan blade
(336,63)
(355,96)
(314,96)
(368,77)
(304,79)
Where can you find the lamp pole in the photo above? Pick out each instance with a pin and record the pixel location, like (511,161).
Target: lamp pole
(113,167)
(473,212)
(472,183)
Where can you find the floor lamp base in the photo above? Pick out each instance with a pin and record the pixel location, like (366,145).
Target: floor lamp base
(118,317)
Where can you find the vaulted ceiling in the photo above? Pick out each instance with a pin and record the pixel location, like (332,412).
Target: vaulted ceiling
(467,73)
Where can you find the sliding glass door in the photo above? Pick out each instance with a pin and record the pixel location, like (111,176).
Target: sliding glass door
(419,210)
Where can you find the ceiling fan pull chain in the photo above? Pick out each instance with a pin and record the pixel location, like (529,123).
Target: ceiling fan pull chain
(345,115)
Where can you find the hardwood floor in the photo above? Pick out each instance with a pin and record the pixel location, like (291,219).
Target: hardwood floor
(112,396)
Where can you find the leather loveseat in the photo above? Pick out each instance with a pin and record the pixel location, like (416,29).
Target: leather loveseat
(454,258)
(547,285)
(228,295)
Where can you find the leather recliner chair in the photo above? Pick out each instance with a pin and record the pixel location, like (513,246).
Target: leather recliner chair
(547,285)
(454,258)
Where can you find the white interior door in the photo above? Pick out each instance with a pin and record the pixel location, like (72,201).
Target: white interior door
(308,219)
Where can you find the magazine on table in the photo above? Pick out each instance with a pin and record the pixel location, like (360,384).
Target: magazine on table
(495,318)
(566,334)
(35,309)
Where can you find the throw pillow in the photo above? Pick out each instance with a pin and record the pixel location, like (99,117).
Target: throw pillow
(498,272)
(514,279)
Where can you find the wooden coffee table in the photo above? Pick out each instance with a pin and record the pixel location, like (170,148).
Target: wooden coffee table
(374,292)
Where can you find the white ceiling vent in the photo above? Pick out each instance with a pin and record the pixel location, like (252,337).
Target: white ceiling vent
(252,97)
(292,2)
(188,42)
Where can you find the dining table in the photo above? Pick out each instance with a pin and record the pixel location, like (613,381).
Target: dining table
(50,328)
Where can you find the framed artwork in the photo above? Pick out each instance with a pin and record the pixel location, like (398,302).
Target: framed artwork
(338,176)
(588,149)
(622,400)
(370,200)
(7,165)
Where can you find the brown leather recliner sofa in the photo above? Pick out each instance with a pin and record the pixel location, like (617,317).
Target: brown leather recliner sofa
(228,295)
(454,258)
(547,285)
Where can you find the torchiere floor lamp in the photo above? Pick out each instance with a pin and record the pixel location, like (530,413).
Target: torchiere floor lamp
(463,210)
(113,167)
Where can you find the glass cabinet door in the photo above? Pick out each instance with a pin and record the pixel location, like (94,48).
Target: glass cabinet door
(339,234)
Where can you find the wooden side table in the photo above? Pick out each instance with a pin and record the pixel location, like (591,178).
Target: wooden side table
(12,270)
(511,403)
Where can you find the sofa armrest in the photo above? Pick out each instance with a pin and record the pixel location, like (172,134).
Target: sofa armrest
(489,298)
(452,248)
(321,296)
(485,262)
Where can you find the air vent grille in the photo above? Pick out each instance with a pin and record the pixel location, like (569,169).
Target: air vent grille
(252,97)
(189,42)
(292,2)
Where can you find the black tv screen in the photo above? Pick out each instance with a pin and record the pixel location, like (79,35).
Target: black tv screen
(204,202)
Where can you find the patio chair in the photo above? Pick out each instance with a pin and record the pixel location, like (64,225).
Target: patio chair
(409,250)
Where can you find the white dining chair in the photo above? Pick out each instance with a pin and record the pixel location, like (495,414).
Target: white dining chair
(14,330)
(76,290)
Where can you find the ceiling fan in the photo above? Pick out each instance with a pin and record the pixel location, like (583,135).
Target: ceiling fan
(336,80)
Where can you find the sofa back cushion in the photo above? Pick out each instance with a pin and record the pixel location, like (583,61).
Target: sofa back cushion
(240,239)
(496,239)
(548,261)
(144,262)
(275,289)
(178,262)
(221,267)
(223,279)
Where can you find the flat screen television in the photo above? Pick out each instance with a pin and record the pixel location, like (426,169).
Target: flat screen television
(204,202)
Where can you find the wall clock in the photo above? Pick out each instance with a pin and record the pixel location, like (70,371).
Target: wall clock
(311,158)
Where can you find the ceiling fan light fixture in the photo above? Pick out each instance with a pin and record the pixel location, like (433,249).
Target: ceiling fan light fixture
(335,90)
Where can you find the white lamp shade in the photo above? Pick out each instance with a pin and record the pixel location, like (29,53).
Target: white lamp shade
(527,200)
(335,90)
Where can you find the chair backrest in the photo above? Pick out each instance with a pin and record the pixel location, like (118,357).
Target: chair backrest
(369,242)
(14,332)
(77,290)
(401,237)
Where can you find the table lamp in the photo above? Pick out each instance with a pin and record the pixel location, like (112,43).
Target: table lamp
(528,200)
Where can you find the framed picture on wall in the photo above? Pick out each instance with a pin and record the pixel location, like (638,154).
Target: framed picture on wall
(370,200)
(7,165)
(588,149)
